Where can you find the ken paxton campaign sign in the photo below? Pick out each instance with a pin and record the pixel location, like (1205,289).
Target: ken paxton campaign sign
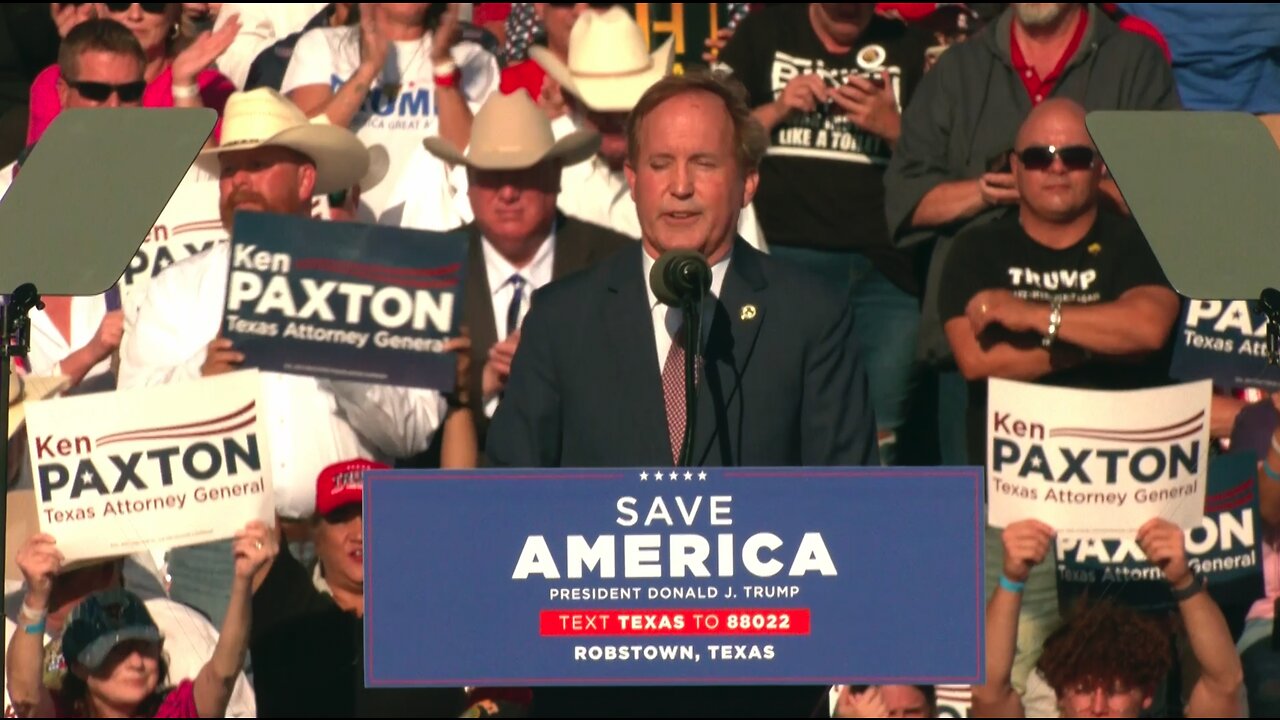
(1097,463)
(118,473)
(1225,342)
(662,576)
(345,301)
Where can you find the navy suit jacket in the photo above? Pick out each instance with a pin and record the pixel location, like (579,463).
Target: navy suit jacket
(782,383)
(782,387)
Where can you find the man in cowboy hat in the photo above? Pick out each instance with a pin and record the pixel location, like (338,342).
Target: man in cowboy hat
(608,69)
(271,160)
(518,241)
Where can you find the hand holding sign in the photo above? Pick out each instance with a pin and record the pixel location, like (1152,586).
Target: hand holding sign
(1164,544)
(1026,544)
(254,548)
(40,561)
(221,357)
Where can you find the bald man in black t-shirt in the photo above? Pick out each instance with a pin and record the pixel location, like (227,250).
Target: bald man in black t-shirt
(1062,292)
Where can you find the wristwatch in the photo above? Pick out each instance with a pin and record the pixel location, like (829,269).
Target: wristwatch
(1198,584)
(1055,321)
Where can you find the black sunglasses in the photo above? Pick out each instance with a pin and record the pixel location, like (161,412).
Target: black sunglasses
(152,8)
(1040,157)
(101,92)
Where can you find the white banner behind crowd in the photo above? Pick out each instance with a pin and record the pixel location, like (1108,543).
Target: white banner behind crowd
(1097,463)
(118,473)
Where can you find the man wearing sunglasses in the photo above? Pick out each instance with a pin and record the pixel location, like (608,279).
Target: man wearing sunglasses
(101,65)
(1063,292)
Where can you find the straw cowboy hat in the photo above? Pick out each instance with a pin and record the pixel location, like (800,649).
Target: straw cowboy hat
(24,389)
(511,133)
(609,62)
(264,117)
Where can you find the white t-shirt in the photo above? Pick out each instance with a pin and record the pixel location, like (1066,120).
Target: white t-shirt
(400,109)
(261,26)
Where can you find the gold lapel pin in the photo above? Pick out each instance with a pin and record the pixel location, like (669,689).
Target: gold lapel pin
(748,312)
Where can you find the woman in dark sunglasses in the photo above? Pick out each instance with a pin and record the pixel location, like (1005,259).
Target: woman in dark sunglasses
(175,76)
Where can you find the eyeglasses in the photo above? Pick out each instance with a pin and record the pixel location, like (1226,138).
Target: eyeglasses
(151,8)
(1040,157)
(101,92)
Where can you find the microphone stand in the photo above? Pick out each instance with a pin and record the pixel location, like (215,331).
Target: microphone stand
(15,328)
(1269,303)
(692,310)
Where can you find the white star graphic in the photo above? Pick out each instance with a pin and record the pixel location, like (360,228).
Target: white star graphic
(702,477)
(644,476)
(86,477)
(688,477)
(658,476)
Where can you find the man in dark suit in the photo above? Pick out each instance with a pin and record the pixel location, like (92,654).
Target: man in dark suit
(599,378)
(518,241)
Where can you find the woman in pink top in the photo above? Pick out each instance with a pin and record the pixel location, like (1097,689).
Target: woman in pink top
(174,79)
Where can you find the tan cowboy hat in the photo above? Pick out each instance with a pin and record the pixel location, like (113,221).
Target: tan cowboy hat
(24,389)
(265,117)
(511,133)
(609,62)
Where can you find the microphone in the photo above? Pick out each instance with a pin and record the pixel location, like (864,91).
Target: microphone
(680,278)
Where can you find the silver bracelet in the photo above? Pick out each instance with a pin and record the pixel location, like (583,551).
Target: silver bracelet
(1055,321)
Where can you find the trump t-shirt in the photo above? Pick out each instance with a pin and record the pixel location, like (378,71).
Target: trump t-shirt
(400,108)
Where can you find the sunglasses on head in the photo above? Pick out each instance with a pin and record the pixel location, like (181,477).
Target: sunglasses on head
(152,8)
(1040,157)
(101,92)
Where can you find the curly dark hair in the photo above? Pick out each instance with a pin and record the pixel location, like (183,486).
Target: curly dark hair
(1103,643)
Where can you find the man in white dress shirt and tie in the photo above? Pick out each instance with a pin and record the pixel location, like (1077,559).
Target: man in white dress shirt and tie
(271,160)
(519,241)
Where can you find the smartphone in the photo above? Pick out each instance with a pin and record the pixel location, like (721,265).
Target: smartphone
(1000,162)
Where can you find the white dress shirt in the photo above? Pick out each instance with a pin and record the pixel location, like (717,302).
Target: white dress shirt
(667,319)
(49,347)
(500,271)
(311,423)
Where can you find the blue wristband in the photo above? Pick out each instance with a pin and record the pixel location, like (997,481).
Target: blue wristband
(1011,586)
(34,629)
(1272,474)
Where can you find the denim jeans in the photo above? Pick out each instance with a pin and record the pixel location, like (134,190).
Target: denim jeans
(885,321)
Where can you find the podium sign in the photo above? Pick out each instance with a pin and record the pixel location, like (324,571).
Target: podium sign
(654,576)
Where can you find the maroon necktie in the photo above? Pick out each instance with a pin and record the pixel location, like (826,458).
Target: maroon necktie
(673,377)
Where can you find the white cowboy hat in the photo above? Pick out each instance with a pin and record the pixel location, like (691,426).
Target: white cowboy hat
(511,133)
(609,62)
(265,117)
(24,389)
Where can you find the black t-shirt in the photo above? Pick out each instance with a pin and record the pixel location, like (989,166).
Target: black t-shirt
(1110,260)
(308,657)
(822,183)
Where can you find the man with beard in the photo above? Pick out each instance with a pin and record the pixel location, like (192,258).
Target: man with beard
(271,160)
